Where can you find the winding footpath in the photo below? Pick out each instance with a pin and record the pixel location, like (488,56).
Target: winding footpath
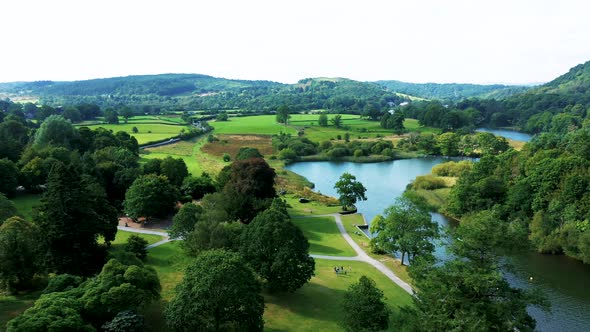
(165,236)
(361,255)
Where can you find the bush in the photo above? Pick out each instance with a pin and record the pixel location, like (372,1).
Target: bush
(359,153)
(339,137)
(136,245)
(62,283)
(428,182)
(387,152)
(287,154)
(338,152)
(226,157)
(452,168)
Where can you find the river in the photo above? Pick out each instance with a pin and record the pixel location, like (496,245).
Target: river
(510,134)
(565,281)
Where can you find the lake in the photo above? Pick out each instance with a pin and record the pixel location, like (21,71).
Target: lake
(564,280)
(510,134)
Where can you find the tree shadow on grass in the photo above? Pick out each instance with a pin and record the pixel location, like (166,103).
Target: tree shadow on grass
(318,249)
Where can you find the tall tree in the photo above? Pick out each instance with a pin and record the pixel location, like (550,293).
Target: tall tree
(323,120)
(405,227)
(126,113)
(185,220)
(20,257)
(150,195)
(218,292)
(467,292)
(8,177)
(277,250)
(283,114)
(350,190)
(337,121)
(363,306)
(7,208)
(57,131)
(74,211)
(111,116)
(175,169)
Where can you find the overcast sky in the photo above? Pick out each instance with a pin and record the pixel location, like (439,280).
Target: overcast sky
(500,41)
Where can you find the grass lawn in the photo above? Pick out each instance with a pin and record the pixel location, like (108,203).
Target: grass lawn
(25,203)
(307,209)
(316,306)
(12,305)
(122,237)
(324,236)
(149,132)
(391,263)
(258,125)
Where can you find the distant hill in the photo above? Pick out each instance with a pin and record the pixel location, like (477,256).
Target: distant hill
(575,81)
(452,91)
(194,91)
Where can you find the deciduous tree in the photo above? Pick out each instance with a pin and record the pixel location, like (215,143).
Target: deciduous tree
(20,257)
(150,195)
(364,309)
(218,292)
(350,190)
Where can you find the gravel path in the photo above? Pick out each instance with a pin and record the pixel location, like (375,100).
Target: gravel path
(361,254)
(145,231)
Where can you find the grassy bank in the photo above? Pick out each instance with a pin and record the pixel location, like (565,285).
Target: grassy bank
(324,236)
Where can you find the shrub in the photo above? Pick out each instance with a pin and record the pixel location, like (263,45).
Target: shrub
(287,154)
(226,157)
(387,152)
(428,182)
(452,168)
(358,153)
(136,245)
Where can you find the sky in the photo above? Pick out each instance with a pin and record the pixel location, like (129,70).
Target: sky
(477,41)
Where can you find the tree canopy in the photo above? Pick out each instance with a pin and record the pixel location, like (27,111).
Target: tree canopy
(150,195)
(364,309)
(218,292)
(350,190)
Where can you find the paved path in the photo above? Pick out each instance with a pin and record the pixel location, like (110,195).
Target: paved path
(361,254)
(145,231)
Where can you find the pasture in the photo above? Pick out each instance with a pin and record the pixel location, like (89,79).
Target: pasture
(251,125)
(147,132)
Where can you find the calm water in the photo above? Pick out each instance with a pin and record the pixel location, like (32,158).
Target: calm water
(565,281)
(513,135)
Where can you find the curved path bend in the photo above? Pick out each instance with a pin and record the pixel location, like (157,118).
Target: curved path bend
(361,255)
(165,236)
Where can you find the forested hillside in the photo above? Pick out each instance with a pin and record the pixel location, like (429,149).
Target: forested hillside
(452,91)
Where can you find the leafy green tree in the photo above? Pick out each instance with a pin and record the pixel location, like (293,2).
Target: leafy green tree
(74,211)
(126,113)
(57,131)
(175,169)
(72,114)
(90,305)
(476,297)
(323,120)
(448,144)
(111,116)
(7,208)
(197,187)
(363,306)
(13,139)
(350,190)
(337,121)
(150,195)
(283,114)
(185,220)
(218,292)
(137,246)
(222,117)
(211,234)
(8,177)
(20,257)
(247,153)
(406,227)
(152,166)
(277,250)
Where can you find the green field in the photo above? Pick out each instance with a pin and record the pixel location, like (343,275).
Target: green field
(25,203)
(324,236)
(253,125)
(149,132)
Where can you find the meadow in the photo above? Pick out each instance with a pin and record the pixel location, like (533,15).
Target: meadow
(147,132)
(252,125)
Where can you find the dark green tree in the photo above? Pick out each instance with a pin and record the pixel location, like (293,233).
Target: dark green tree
(277,250)
(111,116)
(126,112)
(197,187)
(150,195)
(7,208)
(8,177)
(405,227)
(211,234)
(125,321)
(185,220)
(364,309)
(247,153)
(175,169)
(350,190)
(323,120)
(20,257)
(218,293)
(137,246)
(13,139)
(337,121)
(283,114)
(74,211)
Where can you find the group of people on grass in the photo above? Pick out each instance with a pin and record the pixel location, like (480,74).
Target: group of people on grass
(340,269)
